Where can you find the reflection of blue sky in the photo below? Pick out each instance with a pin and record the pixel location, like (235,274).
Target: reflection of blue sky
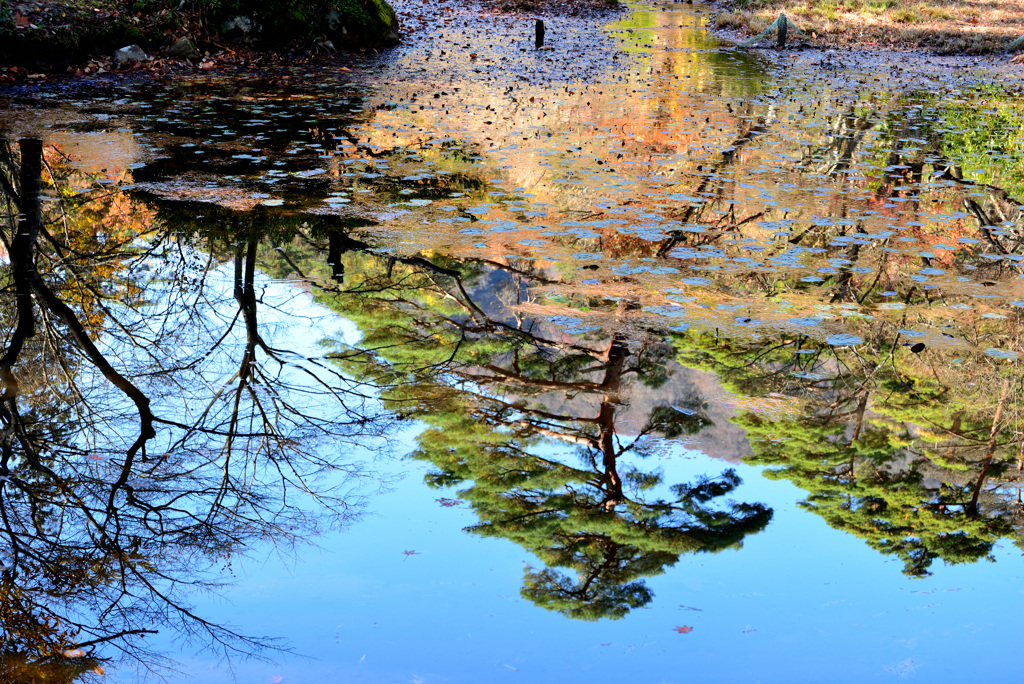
(800,602)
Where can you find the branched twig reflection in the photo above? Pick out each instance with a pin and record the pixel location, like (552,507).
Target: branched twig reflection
(131,463)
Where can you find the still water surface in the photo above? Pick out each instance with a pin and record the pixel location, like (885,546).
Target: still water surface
(635,358)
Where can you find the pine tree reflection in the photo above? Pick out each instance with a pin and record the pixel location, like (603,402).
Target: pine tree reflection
(886,444)
(500,392)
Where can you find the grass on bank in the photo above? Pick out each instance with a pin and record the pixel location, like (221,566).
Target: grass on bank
(941,26)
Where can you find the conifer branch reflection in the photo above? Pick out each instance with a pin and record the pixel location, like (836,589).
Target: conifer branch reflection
(498,392)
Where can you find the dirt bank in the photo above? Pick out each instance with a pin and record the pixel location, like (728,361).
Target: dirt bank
(44,39)
(936,26)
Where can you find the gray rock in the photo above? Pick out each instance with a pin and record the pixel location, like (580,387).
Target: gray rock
(333,21)
(185,49)
(131,53)
(242,30)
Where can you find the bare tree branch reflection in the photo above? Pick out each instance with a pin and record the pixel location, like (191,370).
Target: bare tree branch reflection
(133,462)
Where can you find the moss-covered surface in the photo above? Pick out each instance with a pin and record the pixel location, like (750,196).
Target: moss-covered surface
(364,21)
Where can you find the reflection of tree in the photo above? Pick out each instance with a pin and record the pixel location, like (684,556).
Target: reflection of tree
(842,142)
(947,138)
(884,449)
(877,491)
(499,393)
(714,182)
(15,668)
(140,452)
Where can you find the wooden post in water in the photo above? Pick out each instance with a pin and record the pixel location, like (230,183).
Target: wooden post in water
(780,40)
(540,34)
(782,27)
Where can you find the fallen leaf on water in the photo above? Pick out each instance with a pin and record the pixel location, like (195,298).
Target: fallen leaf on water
(685,629)
(411,553)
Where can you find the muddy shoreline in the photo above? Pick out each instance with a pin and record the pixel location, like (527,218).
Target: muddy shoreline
(481,20)
(45,43)
(930,27)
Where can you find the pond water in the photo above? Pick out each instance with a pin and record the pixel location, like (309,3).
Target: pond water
(639,357)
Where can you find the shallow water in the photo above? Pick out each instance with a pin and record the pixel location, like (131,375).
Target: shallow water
(636,357)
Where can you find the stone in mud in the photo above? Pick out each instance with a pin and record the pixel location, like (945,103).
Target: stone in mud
(130,53)
(241,30)
(362,23)
(185,49)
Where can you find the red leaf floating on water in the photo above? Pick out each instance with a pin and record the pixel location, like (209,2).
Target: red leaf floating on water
(685,629)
